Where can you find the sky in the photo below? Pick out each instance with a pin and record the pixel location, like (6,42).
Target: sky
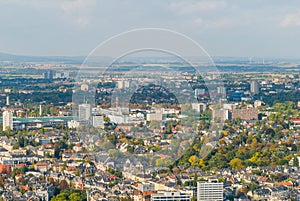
(250,28)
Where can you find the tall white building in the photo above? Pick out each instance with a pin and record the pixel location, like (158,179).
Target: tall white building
(254,87)
(210,191)
(221,91)
(98,121)
(7,120)
(84,112)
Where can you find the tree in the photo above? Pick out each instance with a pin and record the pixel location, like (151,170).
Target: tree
(75,197)
(195,161)
(295,162)
(236,164)
(2,181)
(253,185)
(106,119)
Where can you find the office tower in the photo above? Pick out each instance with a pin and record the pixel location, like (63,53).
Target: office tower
(84,112)
(170,196)
(7,117)
(254,88)
(48,75)
(210,191)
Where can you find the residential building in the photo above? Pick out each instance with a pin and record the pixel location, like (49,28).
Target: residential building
(170,196)
(199,107)
(210,191)
(97,121)
(245,114)
(157,115)
(7,120)
(220,115)
(254,88)
(221,91)
(84,112)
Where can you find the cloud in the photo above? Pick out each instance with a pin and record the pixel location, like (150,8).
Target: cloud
(188,7)
(78,11)
(291,20)
(198,21)
(75,5)
(220,23)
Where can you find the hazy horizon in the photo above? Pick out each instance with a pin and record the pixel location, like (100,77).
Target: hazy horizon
(223,28)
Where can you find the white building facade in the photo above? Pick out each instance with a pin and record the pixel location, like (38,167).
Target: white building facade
(7,118)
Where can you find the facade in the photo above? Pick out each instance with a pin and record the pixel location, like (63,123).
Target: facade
(221,91)
(146,187)
(7,120)
(199,92)
(245,114)
(123,84)
(220,115)
(155,116)
(254,88)
(199,107)
(210,191)
(84,112)
(97,121)
(48,75)
(144,191)
(170,196)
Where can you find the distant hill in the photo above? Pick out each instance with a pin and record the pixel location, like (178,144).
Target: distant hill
(22,58)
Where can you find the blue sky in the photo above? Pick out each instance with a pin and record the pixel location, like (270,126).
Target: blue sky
(252,28)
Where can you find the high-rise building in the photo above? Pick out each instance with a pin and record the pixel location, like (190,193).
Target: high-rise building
(254,87)
(210,191)
(84,112)
(7,120)
(7,100)
(170,196)
(221,91)
(48,75)
(97,121)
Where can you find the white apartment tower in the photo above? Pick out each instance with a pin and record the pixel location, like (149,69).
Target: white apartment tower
(7,117)
(210,191)
(97,121)
(84,112)
(254,87)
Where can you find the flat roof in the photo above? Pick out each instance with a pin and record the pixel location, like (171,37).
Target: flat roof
(41,119)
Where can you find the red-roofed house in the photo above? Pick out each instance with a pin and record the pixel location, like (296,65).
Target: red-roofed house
(295,122)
